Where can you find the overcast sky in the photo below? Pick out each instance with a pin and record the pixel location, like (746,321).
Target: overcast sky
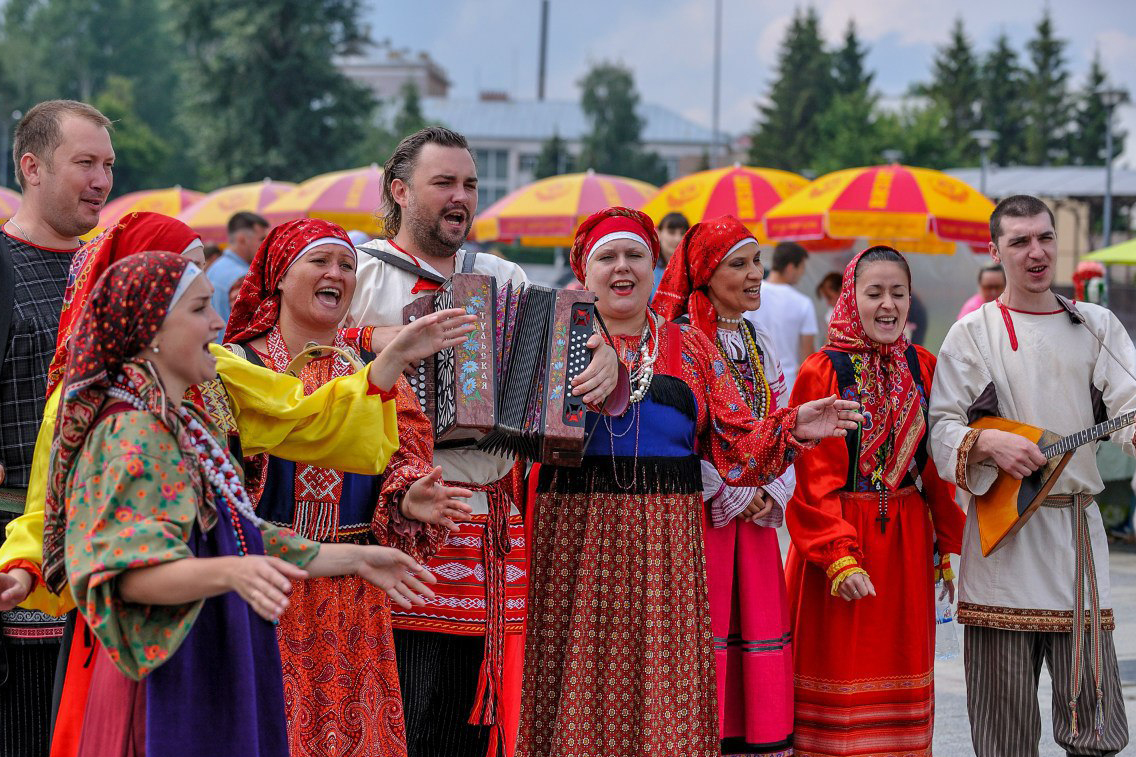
(493,44)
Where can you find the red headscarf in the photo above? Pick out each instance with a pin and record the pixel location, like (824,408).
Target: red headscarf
(258,306)
(889,396)
(683,287)
(611,221)
(124,310)
(141,231)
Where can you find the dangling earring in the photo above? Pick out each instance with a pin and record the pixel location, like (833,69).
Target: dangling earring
(155,348)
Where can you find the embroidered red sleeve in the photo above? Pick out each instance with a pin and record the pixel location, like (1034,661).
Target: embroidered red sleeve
(413,460)
(746,451)
(814,516)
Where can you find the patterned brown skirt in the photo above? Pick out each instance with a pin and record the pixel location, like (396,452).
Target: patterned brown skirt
(618,658)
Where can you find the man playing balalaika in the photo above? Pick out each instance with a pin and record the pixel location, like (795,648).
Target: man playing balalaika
(1033,357)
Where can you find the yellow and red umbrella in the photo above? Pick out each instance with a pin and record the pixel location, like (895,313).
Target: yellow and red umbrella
(743,192)
(210,215)
(9,203)
(169,202)
(547,212)
(907,205)
(349,198)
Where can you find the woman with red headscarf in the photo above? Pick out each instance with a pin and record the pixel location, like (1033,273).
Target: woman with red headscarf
(263,409)
(149,522)
(868,521)
(618,658)
(340,677)
(713,277)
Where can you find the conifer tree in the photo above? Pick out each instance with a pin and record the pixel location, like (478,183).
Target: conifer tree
(786,134)
(1003,102)
(1087,141)
(1047,106)
(955,88)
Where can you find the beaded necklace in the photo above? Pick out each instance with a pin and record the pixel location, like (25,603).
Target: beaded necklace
(760,399)
(211,457)
(642,371)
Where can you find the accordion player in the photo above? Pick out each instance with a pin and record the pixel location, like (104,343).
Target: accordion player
(507,389)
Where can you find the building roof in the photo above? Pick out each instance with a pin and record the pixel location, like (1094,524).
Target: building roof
(1049,181)
(538,120)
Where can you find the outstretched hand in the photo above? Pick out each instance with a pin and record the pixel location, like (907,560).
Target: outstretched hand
(429,500)
(396,573)
(826,417)
(15,586)
(420,339)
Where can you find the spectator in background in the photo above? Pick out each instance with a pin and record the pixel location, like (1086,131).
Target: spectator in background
(672,228)
(828,291)
(991,282)
(786,314)
(246,232)
(916,328)
(212,254)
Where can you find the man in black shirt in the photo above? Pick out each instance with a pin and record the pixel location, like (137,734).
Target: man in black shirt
(63,158)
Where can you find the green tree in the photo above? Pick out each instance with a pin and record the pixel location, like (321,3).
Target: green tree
(554,158)
(1003,102)
(263,95)
(1087,141)
(846,134)
(786,132)
(409,118)
(920,135)
(615,143)
(955,88)
(1047,105)
(140,154)
(75,48)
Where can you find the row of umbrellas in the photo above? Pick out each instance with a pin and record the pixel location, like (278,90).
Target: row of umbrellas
(916,209)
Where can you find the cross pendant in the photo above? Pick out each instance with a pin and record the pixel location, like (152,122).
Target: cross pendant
(883,519)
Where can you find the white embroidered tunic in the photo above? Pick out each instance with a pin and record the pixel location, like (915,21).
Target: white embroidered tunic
(1059,379)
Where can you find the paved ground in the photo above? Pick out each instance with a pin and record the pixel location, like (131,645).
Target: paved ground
(952,729)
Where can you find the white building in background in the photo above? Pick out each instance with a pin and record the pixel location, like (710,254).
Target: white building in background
(384,69)
(506,135)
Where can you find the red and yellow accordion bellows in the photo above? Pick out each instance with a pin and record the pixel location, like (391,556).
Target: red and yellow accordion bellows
(507,388)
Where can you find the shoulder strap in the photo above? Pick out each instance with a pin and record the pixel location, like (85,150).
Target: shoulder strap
(404,265)
(7,294)
(468,261)
(846,384)
(242,350)
(917,374)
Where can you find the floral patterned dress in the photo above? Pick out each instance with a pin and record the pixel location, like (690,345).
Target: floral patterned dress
(209,670)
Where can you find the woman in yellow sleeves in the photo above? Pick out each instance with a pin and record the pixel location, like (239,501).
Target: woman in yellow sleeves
(266,411)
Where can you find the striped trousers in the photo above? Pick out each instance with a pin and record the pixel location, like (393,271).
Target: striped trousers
(1002,672)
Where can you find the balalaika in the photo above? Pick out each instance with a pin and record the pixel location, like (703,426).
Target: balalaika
(507,388)
(1009,502)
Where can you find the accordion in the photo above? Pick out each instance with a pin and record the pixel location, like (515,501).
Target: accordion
(506,388)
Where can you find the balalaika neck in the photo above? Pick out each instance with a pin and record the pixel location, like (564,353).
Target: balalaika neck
(1091,434)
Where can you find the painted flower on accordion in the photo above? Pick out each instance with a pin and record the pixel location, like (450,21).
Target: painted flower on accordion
(469,386)
(468,366)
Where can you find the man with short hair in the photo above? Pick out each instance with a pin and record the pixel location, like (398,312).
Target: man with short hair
(63,162)
(1034,357)
(459,653)
(991,284)
(786,314)
(246,231)
(672,228)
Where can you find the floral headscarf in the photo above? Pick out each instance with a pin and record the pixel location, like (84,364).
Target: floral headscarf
(893,414)
(684,284)
(257,308)
(141,231)
(124,311)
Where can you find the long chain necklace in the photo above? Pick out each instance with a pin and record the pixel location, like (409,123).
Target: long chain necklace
(214,462)
(642,372)
(760,399)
